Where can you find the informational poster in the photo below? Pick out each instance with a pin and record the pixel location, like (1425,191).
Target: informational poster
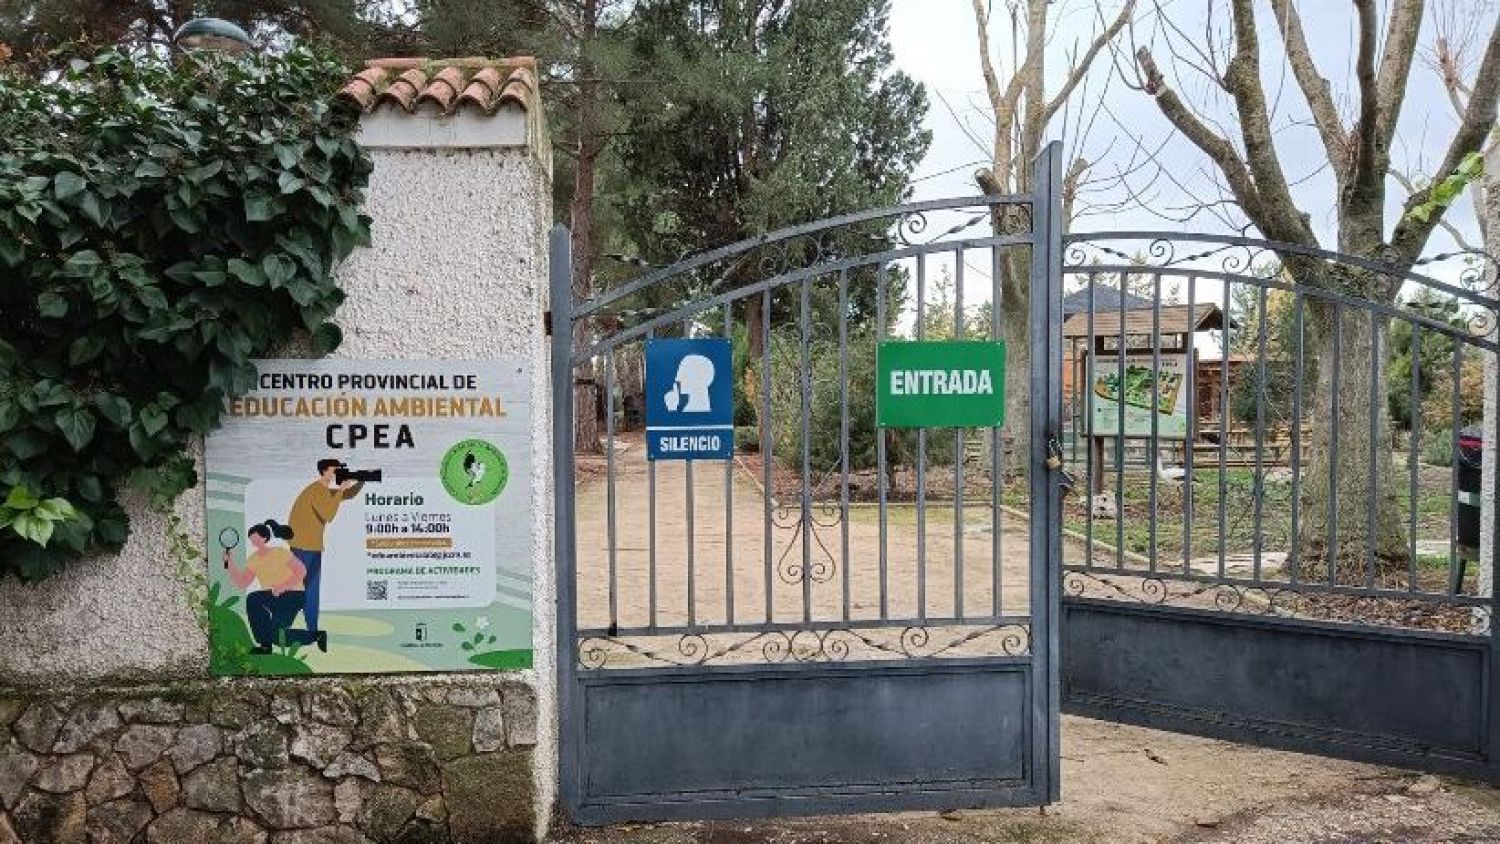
(940,383)
(689,399)
(1134,389)
(372,517)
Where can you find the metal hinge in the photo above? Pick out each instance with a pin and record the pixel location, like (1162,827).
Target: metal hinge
(547,322)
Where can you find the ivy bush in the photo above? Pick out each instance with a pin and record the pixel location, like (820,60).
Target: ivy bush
(162,222)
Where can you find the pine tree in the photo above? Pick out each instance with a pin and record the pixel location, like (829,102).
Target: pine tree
(757,114)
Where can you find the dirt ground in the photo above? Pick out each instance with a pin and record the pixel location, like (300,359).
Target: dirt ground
(1120,784)
(1128,785)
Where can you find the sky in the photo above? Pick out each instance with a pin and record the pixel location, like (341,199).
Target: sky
(935,41)
(1145,175)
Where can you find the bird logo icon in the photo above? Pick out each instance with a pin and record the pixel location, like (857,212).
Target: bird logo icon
(474,468)
(474,472)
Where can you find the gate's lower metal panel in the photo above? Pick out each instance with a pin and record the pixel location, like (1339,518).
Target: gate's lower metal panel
(805,740)
(1396,697)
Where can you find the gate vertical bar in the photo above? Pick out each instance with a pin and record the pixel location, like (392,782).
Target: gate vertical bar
(1046,500)
(569,737)
(1492,675)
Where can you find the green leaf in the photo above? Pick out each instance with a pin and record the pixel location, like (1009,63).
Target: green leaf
(27,443)
(153,419)
(82,264)
(93,208)
(90,487)
(115,409)
(260,207)
(141,444)
(302,292)
(211,278)
(84,349)
(206,171)
(67,184)
(20,498)
(101,288)
(289,183)
(55,510)
(150,169)
(1472,167)
(11,251)
(247,272)
(287,155)
(152,297)
(185,220)
(232,378)
(32,528)
(182,271)
(326,338)
(199,416)
(76,425)
(278,269)
(51,305)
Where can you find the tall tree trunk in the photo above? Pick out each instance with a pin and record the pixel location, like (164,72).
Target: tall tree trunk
(581,221)
(1015,329)
(1350,448)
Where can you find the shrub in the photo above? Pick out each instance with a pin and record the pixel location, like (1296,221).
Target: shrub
(1437,449)
(824,408)
(162,222)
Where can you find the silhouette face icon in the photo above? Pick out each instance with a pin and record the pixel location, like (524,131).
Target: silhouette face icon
(689,393)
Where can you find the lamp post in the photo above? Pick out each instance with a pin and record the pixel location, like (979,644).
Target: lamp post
(212,34)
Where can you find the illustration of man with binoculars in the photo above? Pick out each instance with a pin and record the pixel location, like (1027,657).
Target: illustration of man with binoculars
(314,508)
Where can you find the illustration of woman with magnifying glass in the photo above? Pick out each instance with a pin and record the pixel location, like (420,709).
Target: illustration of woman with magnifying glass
(282,593)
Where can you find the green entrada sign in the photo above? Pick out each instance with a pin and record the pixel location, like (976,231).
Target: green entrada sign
(940,383)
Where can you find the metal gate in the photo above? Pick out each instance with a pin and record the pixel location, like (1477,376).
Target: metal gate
(849,619)
(1285,551)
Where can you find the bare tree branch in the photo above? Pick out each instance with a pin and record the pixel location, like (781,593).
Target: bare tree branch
(1003,100)
(1315,88)
(1411,234)
(1081,68)
(1279,216)
(1364,188)
(1395,65)
(1033,76)
(1215,146)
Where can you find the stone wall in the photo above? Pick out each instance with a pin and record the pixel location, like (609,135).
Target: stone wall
(322,761)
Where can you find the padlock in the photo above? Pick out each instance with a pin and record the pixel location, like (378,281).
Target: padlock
(1054,454)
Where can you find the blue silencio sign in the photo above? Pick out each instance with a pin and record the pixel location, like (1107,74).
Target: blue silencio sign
(689,399)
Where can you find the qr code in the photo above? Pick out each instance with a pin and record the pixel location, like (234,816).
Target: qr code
(377,590)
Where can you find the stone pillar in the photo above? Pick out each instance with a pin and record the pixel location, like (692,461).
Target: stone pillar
(461,201)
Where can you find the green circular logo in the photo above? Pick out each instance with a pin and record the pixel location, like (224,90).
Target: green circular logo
(474,472)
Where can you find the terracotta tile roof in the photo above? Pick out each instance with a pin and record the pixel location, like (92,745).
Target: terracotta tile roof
(447,84)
